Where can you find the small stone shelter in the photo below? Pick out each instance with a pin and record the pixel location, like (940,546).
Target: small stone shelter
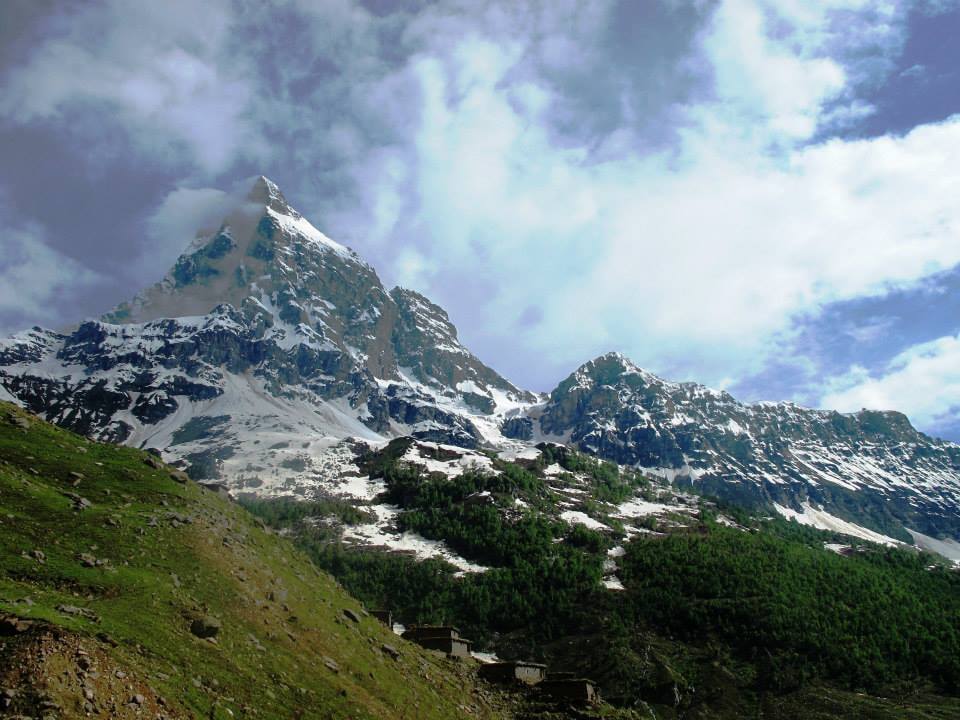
(575,690)
(443,638)
(518,671)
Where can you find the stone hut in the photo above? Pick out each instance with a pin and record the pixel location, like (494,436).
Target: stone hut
(518,671)
(443,638)
(575,690)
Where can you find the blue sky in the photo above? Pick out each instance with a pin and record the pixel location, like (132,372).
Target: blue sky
(758,195)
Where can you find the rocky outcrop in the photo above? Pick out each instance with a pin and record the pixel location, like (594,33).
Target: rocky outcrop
(518,428)
(425,341)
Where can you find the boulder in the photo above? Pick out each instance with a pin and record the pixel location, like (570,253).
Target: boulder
(179,476)
(13,625)
(78,612)
(205,627)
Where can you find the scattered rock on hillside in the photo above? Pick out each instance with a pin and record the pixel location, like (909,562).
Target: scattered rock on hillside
(205,627)
(179,476)
(79,502)
(78,612)
(33,670)
(177,519)
(20,422)
(13,625)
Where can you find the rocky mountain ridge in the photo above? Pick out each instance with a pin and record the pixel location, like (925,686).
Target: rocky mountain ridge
(872,468)
(267,344)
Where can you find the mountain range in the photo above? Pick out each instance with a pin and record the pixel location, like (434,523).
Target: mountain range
(270,357)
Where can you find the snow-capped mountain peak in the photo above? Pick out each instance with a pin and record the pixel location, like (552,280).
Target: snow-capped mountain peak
(265,191)
(262,330)
(262,246)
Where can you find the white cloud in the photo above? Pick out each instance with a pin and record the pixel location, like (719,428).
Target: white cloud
(870,330)
(762,80)
(701,256)
(35,278)
(184,214)
(922,381)
(156,67)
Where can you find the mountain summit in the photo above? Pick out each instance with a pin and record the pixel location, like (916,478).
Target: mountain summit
(264,330)
(262,245)
(296,287)
(266,192)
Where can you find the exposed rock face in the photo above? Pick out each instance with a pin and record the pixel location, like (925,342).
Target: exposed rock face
(871,467)
(272,327)
(519,428)
(425,341)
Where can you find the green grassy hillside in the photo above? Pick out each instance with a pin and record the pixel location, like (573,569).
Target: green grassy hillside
(109,559)
(757,620)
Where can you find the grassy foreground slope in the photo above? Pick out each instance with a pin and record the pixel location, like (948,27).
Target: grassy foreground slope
(109,560)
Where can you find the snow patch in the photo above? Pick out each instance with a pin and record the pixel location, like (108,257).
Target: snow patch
(298,225)
(383,533)
(815,517)
(6,396)
(948,548)
(466,460)
(580,518)
(641,508)
(838,548)
(520,452)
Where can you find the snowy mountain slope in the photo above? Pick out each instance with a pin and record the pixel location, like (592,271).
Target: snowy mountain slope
(265,345)
(870,468)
